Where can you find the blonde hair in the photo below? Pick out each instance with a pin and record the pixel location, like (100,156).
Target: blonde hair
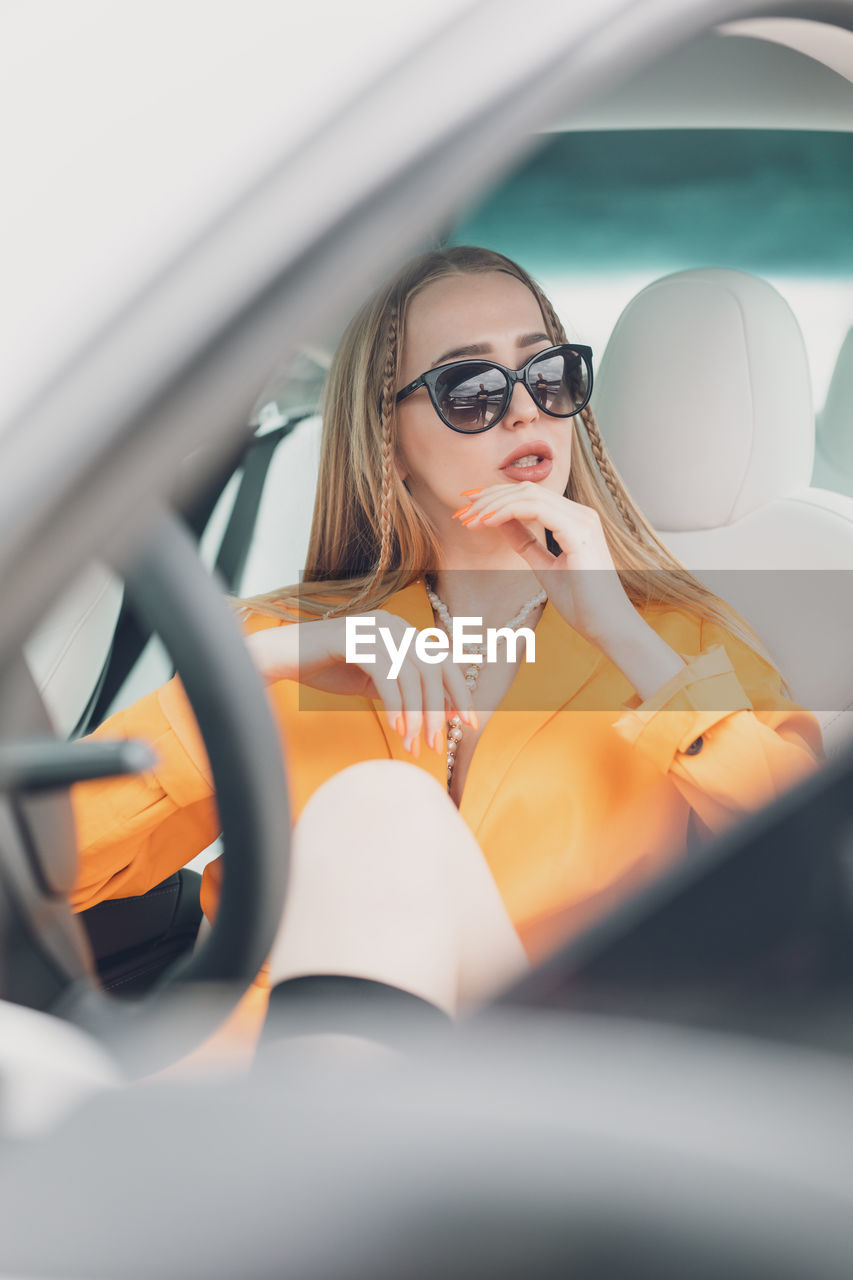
(368,537)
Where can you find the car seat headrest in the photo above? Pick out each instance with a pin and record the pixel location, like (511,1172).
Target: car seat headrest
(705,378)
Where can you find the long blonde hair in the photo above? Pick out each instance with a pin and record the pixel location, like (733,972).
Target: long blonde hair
(368,537)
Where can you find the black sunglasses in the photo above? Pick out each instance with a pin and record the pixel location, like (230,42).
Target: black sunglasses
(473,395)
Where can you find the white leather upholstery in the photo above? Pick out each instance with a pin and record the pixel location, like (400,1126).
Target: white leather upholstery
(834,438)
(48,1068)
(705,378)
(277,555)
(704,403)
(67,653)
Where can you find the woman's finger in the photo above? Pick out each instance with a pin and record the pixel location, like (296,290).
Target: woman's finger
(496,494)
(527,501)
(411,691)
(459,692)
(525,505)
(432,682)
(574,531)
(401,693)
(388,693)
(523,540)
(421,695)
(534,509)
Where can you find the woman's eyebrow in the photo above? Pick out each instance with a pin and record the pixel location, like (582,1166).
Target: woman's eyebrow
(485,348)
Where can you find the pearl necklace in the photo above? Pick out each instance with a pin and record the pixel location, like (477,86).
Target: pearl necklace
(472,673)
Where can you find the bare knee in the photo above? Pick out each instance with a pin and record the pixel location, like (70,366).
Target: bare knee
(383,862)
(372,786)
(366,897)
(386,808)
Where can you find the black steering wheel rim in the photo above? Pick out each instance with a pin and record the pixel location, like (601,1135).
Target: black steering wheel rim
(183,604)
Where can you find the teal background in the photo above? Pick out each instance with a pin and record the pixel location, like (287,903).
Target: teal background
(768,201)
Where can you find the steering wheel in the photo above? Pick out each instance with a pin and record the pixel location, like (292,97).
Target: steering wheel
(49,963)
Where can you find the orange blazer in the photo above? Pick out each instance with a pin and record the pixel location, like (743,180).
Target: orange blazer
(575,784)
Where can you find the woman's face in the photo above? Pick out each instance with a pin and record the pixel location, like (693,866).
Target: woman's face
(489,314)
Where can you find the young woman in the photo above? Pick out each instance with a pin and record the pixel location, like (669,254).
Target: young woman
(455,819)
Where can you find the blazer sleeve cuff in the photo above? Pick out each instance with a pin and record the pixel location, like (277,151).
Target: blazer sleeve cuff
(705,691)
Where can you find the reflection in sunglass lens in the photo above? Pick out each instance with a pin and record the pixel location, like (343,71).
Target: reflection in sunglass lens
(559,382)
(471,396)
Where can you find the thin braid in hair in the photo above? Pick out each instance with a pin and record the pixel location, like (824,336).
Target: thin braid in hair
(551,316)
(386,409)
(389,379)
(605,467)
(587,416)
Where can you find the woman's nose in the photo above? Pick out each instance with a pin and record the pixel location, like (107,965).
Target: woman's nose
(522,407)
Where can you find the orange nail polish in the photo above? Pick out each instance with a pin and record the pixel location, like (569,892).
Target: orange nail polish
(487,514)
(416,747)
(467,507)
(470,493)
(470,520)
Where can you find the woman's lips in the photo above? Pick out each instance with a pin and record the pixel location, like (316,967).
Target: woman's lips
(531,461)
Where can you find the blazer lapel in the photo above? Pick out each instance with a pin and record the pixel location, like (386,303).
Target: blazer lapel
(565,663)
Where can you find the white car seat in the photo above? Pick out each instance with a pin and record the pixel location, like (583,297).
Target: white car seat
(279,544)
(704,403)
(48,1069)
(66,655)
(833,467)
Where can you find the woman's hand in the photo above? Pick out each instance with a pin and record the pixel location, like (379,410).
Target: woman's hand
(422,695)
(581,582)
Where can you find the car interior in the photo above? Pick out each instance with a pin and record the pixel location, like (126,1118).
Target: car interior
(746,503)
(691,292)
